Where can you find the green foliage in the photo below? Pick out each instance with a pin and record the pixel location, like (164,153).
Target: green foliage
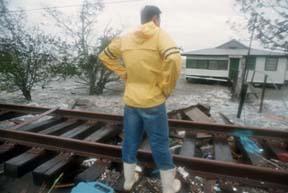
(65,68)
(86,46)
(27,53)
(28,56)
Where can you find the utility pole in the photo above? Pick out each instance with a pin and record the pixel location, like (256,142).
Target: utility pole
(263,94)
(244,84)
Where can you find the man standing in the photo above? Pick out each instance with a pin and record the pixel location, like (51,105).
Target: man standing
(151,68)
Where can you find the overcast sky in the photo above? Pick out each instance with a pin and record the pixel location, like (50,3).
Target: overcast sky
(194,24)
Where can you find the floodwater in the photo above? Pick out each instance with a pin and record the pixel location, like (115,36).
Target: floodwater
(63,93)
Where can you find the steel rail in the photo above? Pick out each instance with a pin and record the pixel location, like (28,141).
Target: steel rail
(233,130)
(34,119)
(84,148)
(85,115)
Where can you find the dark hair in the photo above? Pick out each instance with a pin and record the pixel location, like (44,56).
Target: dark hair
(148,12)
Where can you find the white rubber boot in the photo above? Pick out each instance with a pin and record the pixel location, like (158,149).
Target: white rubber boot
(169,183)
(131,177)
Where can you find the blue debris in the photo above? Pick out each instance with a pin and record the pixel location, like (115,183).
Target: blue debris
(248,144)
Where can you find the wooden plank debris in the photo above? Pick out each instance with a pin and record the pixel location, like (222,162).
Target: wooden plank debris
(37,117)
(196,114)
(5,115)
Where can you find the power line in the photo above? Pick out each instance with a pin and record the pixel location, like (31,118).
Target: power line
(68,6)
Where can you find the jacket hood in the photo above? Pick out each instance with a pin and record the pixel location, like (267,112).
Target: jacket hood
(145,32)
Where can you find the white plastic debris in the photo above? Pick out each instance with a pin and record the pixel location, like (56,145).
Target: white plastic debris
(138,169)
(183,172)
(217,188)
(175,147)
(181,133)
(89,162)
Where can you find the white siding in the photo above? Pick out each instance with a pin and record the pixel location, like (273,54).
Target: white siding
(208,73)
(277,77)
(208,57)
(183,65)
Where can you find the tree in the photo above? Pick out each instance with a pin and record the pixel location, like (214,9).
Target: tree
(86,45)
(270,21)
(25,53)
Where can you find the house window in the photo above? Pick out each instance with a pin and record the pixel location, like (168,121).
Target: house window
(251,62)
(197,64)
(271,64)
(202,64)
(213,65)
(207,64)
(218,64)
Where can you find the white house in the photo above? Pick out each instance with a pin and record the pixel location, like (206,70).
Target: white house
(226,62)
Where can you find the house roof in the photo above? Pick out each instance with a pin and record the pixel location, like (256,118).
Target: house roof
(234,48)
(233,44)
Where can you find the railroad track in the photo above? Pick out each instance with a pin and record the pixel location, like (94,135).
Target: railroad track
(57,140)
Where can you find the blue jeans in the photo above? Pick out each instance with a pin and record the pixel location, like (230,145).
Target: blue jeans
(154,122)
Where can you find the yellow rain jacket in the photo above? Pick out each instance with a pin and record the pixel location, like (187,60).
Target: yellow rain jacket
(152,64)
